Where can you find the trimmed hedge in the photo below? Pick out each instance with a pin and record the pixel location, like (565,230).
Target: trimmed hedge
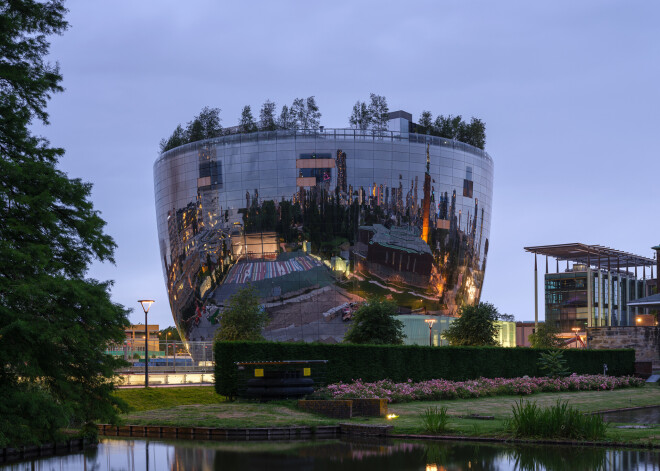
(419,363)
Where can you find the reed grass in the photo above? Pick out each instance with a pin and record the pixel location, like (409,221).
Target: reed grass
(557,421)
(435,420)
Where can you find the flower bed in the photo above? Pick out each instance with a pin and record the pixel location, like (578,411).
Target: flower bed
(438,389)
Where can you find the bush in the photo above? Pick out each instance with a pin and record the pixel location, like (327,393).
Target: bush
(435,420)
(558,421)
(402,362)
(553,364)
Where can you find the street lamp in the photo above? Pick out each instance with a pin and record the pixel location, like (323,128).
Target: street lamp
(576,330)
(430,322)
(146,304)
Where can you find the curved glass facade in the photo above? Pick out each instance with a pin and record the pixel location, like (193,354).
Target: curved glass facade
(318,221)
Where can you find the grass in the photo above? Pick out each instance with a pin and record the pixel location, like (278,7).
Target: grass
(201,406)
(144,399)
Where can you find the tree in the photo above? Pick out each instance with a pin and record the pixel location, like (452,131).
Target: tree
(313,115)
(178,138)
(54,322)
(475,326)
(244,318)
(287,119)
(169,333)
(375,323)
(206,125)
(379,112)
(545,336)
(425,122)
(246,123)
(267,117)
(360,117)
(305,113)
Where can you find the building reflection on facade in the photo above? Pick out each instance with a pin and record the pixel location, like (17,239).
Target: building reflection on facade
(319,221)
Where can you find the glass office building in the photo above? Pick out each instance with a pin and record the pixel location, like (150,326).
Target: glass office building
(318,221)
(595,287)
(582,297)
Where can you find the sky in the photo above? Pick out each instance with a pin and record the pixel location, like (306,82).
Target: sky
(568,91)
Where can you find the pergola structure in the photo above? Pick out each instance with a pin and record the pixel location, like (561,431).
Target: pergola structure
(596,256)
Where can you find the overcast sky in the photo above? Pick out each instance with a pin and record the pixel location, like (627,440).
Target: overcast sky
(569,92)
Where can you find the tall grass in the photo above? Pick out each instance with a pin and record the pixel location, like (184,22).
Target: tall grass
(558,421)
(435,420)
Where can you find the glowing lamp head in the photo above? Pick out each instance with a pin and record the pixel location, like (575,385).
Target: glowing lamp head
(146,304)
(391,416)
(430,322)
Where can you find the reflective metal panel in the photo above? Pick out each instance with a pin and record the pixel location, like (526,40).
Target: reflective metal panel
(319,222)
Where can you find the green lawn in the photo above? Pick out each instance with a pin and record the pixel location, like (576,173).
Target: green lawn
(144,399)
(201,406)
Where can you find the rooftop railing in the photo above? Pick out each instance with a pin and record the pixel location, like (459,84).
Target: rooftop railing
(329,133)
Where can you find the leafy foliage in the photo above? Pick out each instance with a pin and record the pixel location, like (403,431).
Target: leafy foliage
(378,112)
(54,322)
(267,120)
(246,123)
(244,318)
(169,333)
(399,363)
(360,117)
(425,124)
(206,125)
(553,364)
(453,127)
(287,119)
(306,114)
(375,323)
(545,336)
(475,326)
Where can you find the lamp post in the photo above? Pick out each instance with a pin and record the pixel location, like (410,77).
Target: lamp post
(430,322)
(146,304)
(576,330)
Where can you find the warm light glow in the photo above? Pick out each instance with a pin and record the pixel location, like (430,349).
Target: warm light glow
(391,416)
(430,322)
(575,329)
(146,304)
(639,319)
(431,467)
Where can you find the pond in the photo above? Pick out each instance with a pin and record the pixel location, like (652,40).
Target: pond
(364,455)
(646,415)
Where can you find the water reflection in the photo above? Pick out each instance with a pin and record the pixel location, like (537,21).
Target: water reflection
(363,455)
(647,415)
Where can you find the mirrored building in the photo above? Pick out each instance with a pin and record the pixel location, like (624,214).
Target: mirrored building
(318,221)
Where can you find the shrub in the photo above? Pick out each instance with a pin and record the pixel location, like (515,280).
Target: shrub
(553,364)
(435,420)
(558,421)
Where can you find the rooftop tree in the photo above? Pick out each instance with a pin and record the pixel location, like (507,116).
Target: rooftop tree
(378,112)
(360,117)
(287,119)
(55,322)
(246,123)
(267,117)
